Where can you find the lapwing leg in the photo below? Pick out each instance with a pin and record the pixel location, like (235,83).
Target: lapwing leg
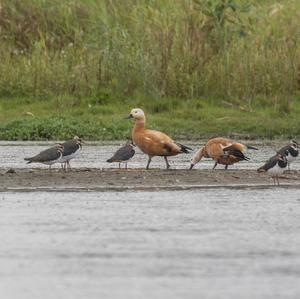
(125,165)
(215,165)
(226,167)
(167,162)
(274,179)
(278,181)
(69,165)
(119,165)
(149,161)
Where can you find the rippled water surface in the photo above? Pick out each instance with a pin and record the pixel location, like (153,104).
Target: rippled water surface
(189,244)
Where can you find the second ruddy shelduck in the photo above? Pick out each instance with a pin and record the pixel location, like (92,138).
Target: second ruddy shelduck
(151,142)
(222,151)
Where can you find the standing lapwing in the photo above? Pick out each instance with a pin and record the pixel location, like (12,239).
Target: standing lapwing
(275,166)
(223,151)
(123,154)
(291,151)
(49,156)
(151,142)
(71,149)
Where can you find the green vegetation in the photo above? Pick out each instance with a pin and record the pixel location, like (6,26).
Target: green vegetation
(197,67)
(190,119)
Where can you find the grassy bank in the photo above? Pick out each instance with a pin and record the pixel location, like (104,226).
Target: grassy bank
(61,118)
(197,67)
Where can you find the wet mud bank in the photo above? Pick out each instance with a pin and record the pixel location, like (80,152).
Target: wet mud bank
(91,179)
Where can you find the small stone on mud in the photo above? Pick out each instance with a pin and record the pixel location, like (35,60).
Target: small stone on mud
(11,170)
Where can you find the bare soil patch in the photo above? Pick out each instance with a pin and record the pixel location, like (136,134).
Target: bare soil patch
(137,179)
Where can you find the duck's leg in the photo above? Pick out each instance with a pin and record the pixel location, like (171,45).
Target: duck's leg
(167,162)
(69,165)
(149,161)
(278,181)
(119,165)
(274,179)
(216,163)
(226,167)
(125,165)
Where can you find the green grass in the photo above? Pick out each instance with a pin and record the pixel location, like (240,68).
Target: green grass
(229,49)
(197,67)
(54,119)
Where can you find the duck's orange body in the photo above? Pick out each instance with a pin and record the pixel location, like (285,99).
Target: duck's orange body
(151,142)
(222,151)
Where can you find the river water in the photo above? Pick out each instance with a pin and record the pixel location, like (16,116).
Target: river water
(219,243)
(206,243)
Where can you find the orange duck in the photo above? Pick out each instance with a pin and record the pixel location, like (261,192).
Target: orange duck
(223,151)
(151,142)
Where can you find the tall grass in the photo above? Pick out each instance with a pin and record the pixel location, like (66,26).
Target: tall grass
(231,50)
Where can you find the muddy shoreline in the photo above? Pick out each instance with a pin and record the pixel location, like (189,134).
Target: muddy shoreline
(91,179)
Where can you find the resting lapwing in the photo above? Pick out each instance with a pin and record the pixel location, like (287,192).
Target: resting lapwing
(49,156)
(274,167)
(123,154)
(291,151)
(71,149)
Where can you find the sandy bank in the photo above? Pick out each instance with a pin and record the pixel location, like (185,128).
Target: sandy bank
(138,179)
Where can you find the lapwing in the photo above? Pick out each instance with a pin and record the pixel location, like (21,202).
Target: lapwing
(223,151)
(275,166)
(49,156)
(123,154)
(291,151)
(153,143)
(71,149)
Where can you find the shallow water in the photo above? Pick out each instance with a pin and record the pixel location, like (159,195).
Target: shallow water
(12,154)
(194,244)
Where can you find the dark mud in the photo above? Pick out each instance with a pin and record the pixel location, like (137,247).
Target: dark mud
(86,179)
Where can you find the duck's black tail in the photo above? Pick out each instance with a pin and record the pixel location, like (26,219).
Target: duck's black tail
(185,149)
(251,147)
(28,159)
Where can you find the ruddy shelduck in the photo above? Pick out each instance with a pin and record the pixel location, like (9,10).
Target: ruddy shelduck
(223,151)
(151,142)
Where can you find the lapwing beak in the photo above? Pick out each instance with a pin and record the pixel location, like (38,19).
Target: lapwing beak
(191,167)
(129,116)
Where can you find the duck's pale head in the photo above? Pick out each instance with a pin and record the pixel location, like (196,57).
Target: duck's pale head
(137,114)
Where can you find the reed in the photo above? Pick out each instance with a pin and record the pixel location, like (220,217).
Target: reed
(224,49)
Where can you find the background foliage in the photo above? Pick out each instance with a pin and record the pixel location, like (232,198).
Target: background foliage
(240,54)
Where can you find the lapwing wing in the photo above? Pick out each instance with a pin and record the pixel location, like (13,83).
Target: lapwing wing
(275,166)
(223,151)
(49,156)
(123,154)
(153,143)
